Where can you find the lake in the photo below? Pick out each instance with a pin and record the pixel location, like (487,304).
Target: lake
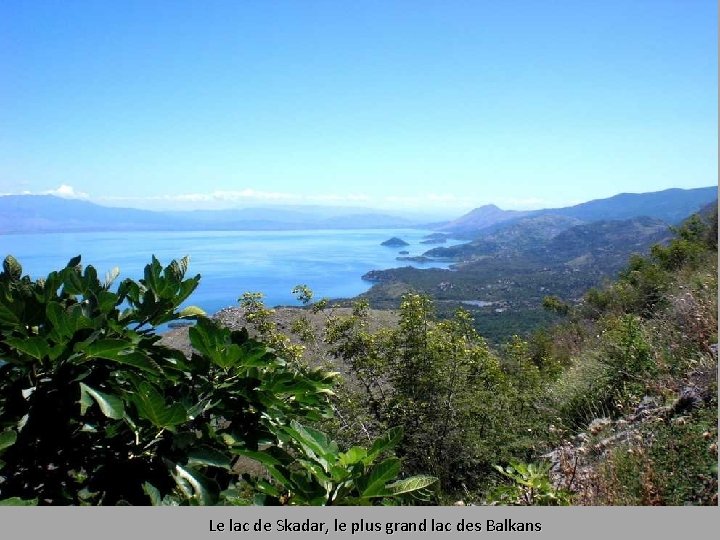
(330,262)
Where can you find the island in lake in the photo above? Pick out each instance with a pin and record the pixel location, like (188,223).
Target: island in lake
(395,242)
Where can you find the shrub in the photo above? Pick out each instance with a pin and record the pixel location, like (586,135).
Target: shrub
(529,485)
(438,381)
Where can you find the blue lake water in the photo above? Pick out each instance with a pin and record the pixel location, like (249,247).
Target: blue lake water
(331,263)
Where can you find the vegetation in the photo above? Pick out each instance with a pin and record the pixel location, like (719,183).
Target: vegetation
(511,268)
(529,486)
(468,407)
(93,410)
(604,407)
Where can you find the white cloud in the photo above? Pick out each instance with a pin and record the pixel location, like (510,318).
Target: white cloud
(64,190)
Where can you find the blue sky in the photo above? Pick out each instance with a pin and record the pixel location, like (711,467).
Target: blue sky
(417,105)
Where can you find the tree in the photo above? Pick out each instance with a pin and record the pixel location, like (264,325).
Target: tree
(435,379)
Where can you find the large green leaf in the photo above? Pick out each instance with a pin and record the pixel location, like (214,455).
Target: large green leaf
(186,289)
(106,301)
(90,278)
(209,457)
(151,406)
(17,501)
(7,439)
(214,342)
(153,493)
(72,263)
(105,348)
(119,350)
(176,269)
(138,360)
(262,457)
(354,455)
(385,442)
(407,485)
(191,311)
(35,346)
(315,444)
(381,474)
(152,279)
(73,283)
(66,322)
(110,405)
(266,487)
(9,312)
(318,471)
(255,355)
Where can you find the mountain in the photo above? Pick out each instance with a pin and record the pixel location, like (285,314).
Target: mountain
(46,213)
(604,245)
(480,218)
(528,231)
(670,205)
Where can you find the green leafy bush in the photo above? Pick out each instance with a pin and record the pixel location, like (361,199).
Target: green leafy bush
(310,470)
(437,380)
(94,410)
(529,485)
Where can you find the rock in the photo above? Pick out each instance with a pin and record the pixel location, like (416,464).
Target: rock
(582,438)
(647,404)
(689,400)
(395,242)
(599,424)
(404,252)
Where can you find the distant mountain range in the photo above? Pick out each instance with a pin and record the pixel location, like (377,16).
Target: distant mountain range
(670,205)
(46,213)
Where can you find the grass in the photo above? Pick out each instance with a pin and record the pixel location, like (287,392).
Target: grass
(676,464)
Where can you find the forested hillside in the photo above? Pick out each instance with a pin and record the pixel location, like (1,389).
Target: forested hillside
(503,275)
